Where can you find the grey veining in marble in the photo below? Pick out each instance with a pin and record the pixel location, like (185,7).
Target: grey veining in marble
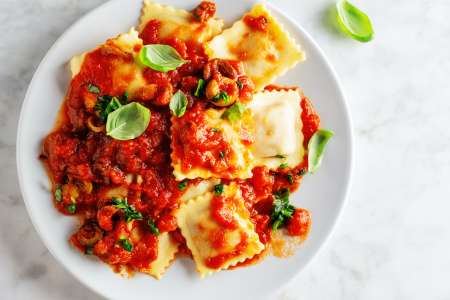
(393,240)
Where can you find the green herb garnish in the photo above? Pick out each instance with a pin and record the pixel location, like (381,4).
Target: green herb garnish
(93,89)
(128,121)
(283,165)
(218,189)
(126,245)
(183,184)
(178,104)
(354,22)
(129,211)
(221,96)
(160,57)
(125,96)
(316,147)
(58,194)
(290,179)
(282,210)
(222,154)
(200,88)
(71,208)
(239,84)
(234,113)
(153,228)
(106,105)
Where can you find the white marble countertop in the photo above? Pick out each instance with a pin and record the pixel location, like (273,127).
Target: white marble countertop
(393,241)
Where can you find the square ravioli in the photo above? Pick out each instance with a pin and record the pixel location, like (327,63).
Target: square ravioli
(205,145)
(261,43)
(278,136)
(167,248)
(178,23)
(218,230)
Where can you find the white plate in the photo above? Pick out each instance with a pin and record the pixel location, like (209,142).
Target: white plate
(323,193)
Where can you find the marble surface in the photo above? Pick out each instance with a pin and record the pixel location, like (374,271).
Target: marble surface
(393,240)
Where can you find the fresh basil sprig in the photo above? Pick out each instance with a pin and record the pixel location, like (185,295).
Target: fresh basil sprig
(282,210)
(106,105)
(354,22)
(153,228)
(129,211)
(128,121)
(178,104)
(234,112)
(160,57)
(200,88)
(316,147)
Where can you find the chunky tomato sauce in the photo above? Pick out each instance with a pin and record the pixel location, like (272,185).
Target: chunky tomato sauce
(89,169)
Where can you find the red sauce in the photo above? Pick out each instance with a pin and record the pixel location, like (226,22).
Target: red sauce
(223,210)
(259,23)
(300,223)
(204,11)
(215,262)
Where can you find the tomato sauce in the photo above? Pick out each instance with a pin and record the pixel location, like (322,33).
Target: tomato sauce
(85,165)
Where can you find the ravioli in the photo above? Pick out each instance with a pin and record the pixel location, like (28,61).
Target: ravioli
(278,136)
(214,246)
(265,54)
(231,158)
(178,23)
(167,248)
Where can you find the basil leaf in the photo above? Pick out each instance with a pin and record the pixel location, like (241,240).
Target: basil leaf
(160,57)
(106,105)
(178,104)
(239,84)
(221,96)
(218,189)
(200,88)
(354,22)
(316,147)
(93,89)
(282,210)
(126,245)
(153,228)
(128,121)
(234,113)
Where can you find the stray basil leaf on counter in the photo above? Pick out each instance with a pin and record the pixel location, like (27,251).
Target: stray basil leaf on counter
(178,104)
(282,210)
(128,121)
(71,208)
(93,89)
(354,22)
(199,91)
(129,211)
(153,228)
(218,189)
(234,113)
(126,245)
(316,147)
(162,58)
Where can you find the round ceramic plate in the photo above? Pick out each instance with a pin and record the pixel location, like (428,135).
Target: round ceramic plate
(323,194)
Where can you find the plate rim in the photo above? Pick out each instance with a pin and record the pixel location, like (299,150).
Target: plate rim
(342,98)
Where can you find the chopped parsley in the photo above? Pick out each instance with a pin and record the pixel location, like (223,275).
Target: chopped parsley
(199,91)
(290,179)
(126,245)
(106,105)
(283,165)
(239,84)
(218,189)
(222,154)
(71,208)
(182,185)
(282,210)
(58,194)
(130,212)
(93,89)
(221,96)
(153,228)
